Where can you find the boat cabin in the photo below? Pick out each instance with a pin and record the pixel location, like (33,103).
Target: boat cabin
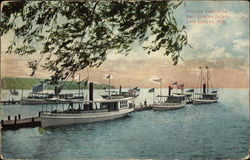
(172,98)
(60,96)
(206,96)
(74,106)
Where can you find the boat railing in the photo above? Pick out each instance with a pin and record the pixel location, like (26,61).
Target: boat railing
(74,111)
(170,104)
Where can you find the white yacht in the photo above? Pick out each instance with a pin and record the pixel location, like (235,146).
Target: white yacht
(207,94)
(170,102)
(87,111)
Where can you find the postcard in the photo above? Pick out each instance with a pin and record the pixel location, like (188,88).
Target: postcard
(124,80)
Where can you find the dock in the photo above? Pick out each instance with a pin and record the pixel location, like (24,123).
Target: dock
(10,102)
(143,108)
(17,122)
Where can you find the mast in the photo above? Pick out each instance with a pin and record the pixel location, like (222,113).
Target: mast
(207,79)
(109,85)
(160,87)
(79,85)
(22,88)
(201,79)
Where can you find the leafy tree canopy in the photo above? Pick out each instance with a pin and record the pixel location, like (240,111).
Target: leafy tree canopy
(71,36)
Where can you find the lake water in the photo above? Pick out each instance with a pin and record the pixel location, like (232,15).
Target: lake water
(218,130)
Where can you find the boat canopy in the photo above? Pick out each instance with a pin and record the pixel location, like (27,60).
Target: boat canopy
(177,95)
(91,101)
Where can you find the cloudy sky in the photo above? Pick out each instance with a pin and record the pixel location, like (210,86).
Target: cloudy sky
(217,31)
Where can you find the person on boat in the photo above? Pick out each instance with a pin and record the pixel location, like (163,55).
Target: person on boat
(145,103)
(70,106)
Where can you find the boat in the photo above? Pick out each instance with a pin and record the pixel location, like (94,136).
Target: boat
(206,94)
(14,92)
(133,92)
(170,102)
(85,111)
(188,96)
(188,93)
(88,111)
(37,96)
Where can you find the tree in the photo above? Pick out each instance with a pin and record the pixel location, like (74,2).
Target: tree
(71,36)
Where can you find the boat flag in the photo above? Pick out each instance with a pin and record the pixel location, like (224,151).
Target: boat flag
(136,89)
(190,90)
(158,80)
(174,84)
(151,90)
(108,76)
(180,86)
(37,88)
(85,82)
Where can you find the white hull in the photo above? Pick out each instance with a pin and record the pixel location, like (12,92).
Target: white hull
(204,101)
(168,106)
(58,119)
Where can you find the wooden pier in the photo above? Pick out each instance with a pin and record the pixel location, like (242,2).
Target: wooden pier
(17,122)
(143,108)
(10,102)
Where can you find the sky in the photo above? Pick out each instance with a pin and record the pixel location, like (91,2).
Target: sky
(218,32)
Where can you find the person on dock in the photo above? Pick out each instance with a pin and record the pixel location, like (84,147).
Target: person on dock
(145,103)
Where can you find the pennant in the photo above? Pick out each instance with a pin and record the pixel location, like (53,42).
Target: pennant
(136,89)
(180,86)
(158,80)
(190,90)
(108,76)
(174,84)
(151,90)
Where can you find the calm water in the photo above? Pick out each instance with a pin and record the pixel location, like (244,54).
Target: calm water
(218,130)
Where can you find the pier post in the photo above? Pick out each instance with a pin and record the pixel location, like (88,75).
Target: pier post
(39,114)
(8,118)
(91,86)
(33,121)
(19,116)
(15,119)
(2,122)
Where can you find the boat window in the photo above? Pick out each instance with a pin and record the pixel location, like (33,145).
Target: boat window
(123,104)
(103,106)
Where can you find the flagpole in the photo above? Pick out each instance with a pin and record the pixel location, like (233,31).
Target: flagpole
(22,89)
(154,97)
(79,85)
(160,91)
(109,85)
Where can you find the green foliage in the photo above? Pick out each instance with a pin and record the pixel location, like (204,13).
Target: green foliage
(28,83)
(76,35)
(18,83)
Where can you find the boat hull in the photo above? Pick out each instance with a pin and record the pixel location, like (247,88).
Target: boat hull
(48,120)
(166,107)
(204,101)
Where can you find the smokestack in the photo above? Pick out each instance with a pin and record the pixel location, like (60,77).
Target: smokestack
(120,90)
(169,90)
(204,88)
(91,86)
